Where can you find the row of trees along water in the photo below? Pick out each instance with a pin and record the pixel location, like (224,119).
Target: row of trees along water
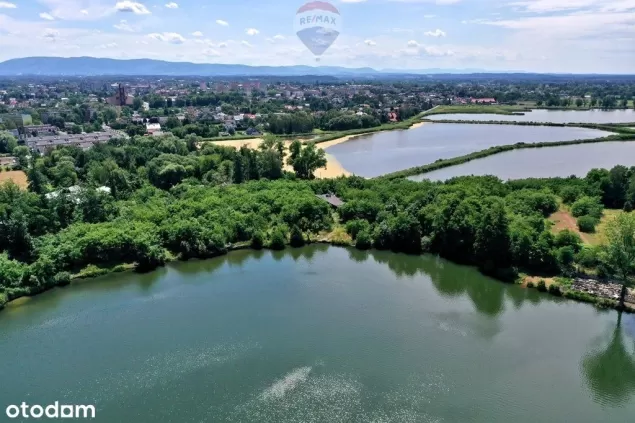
(171,199)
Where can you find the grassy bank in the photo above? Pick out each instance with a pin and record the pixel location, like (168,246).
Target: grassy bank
(558,286)
(477,109)
(364,131)
(561,287)
(323,136)
(442,163)
(621,128)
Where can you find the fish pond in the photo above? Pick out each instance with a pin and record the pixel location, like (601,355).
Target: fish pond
(546,162)
(317,334)
(547,116)
(390,151)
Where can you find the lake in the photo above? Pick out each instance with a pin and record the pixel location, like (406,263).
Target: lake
(318,334)
(389,151)
(548,162)
(549,116)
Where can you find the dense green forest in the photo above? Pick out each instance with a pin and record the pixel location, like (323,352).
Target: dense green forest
(146,201)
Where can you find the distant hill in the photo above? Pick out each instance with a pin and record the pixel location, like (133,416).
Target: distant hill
(92,66)
(88,66)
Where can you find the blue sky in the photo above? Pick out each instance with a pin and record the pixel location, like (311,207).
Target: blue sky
(575,36)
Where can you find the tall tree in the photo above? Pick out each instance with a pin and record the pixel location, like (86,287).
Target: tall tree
(619,252)
(307,160)
(7,142)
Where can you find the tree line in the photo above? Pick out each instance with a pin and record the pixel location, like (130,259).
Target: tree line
(148,200)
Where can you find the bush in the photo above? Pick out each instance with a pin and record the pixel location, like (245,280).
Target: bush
(628,207)
(590,206)
(566,238)
(603,271)
(353,227)
(426,244)
(92,271)
(530,285)
(588,257)
(566,257)
(340,237)
(364,240)
(580,296)
(555,290)
(542,287)
(569,194)
(605,303)
(257,241)
(296,238)
(587,224)
(62,278)
(277,241)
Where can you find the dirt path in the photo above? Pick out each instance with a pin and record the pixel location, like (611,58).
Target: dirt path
(564,220)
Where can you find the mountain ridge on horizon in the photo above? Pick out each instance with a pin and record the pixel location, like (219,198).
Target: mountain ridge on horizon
(102,66)
(94,66)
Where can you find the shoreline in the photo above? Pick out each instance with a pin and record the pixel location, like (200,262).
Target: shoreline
(521,281)
(333,169)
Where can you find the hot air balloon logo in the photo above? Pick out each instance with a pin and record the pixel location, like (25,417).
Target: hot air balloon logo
(317,24)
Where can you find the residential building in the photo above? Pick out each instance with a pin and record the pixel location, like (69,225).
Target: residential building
(153,128)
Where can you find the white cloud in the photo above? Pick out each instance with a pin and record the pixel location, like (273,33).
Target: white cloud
(79,10)
(132,7)
(211,52)
(353,1)
(206,41)
(47,17)
(168,37)
(50,34)
(436,51)
(7,5)
(276,38)
(436,33)
(569,26)
(429,16)
(123,25)
(222,45)
(172,5)
(412,43)
(197,34)
(246,44)
(222,22)
(109,45)
(252,31)
(370,43)
(540,6)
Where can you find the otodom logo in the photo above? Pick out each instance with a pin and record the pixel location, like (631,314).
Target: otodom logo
(318,24)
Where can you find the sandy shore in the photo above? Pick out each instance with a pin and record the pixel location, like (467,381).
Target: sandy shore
(333,168)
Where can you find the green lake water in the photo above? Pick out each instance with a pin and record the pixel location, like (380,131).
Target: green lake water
(318,334)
